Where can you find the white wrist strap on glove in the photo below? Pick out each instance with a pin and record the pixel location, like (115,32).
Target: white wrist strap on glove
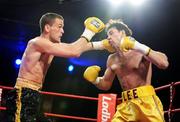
(98,45)
(98,79)
(142,48)
(88,34)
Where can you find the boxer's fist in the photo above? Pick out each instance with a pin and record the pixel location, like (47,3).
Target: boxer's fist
(107,45)
(103,44)
(91,73)
(93,25)
(128,43)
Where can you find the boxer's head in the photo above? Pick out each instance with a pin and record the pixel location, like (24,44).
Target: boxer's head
(48,18)
(52,24)
(119,25)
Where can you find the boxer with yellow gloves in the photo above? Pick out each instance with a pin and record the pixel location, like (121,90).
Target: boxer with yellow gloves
(133,69)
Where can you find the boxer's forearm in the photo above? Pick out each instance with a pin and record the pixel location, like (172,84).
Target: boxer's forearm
(159,59)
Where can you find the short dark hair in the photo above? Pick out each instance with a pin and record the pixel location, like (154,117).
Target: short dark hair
(48,18)
(119,25)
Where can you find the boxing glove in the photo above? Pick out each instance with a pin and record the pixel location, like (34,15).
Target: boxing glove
(93,25)
(103,44)
(107,45)
(128,43)
(91,74)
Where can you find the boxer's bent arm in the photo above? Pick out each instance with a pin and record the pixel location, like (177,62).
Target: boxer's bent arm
(158,58)
(107,78)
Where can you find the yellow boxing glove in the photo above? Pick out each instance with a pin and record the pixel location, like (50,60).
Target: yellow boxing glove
(103,44)
(93,25)
(91,74)
(128,43)
(107,45)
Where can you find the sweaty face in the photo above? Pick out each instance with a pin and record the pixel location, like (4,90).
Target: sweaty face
(56,30)
(114,34)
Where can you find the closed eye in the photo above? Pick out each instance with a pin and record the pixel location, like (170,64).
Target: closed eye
(110,33)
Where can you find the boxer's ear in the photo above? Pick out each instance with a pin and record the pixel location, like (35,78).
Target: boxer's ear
(47,28)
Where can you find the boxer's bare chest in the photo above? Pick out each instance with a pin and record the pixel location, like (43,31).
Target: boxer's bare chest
(128,63)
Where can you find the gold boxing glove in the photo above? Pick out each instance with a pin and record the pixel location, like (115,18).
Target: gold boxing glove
(91,74)
(103,44)
(128,43)
(93,25)
(107,45)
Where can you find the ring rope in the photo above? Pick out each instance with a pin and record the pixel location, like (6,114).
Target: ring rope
(70,117)
(173,110)
(69,95)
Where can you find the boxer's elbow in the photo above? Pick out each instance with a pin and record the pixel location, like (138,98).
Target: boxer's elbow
(104,86)
(163,64)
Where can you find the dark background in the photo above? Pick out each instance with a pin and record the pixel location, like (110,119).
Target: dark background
(156,23)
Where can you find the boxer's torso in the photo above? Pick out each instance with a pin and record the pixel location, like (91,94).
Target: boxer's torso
(132,69)
(34,64)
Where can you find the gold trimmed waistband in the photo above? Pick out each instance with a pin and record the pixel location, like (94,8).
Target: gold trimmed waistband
(21,82)
(138,92)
